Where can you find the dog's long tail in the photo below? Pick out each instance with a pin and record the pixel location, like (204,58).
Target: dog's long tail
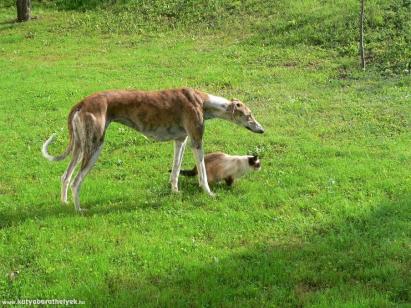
(69,148)
(44,150)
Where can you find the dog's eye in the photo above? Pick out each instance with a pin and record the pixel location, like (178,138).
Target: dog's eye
(238,105)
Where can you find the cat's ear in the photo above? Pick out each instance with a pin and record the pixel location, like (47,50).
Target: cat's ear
(251,160)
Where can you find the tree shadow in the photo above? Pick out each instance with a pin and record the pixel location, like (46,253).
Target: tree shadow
(359,259)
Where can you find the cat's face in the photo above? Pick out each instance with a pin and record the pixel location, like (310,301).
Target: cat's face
(254,162)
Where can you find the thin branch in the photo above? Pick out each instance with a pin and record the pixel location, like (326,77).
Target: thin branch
(362,36)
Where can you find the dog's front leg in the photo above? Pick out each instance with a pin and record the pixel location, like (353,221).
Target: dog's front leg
(202,174)
(179,147)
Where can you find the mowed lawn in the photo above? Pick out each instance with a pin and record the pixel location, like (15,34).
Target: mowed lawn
(325,222)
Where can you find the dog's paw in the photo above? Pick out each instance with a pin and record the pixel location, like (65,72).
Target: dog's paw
(81,211)
(212,195)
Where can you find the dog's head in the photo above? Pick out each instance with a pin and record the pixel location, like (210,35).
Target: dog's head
(241,115)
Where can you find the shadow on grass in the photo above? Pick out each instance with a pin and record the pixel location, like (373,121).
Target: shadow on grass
(97,205)
(189,190)
(13,217)
(359,259)
(8,22)
(83,5)
(16,216)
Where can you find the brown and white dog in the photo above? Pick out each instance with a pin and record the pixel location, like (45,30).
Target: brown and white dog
(162,115)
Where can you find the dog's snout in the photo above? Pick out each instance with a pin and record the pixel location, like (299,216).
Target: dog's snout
(258,129)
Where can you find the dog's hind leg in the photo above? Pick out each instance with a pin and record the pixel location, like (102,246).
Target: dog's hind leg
(91,138)
(87,164)
(76,156)
(179,147)
(65,178)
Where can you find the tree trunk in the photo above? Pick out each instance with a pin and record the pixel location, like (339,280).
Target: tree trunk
(362,35)
(23,10)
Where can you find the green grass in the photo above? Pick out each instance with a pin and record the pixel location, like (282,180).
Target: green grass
(325,223)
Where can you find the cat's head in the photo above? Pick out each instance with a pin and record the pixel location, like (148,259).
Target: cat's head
(254,162)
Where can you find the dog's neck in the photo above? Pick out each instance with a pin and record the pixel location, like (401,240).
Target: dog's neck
(217,107)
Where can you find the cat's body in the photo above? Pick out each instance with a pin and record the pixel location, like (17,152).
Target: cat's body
(224,167)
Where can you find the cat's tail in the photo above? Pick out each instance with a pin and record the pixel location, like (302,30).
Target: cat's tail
(192,172)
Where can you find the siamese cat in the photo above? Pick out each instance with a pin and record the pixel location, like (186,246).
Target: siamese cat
(224,167)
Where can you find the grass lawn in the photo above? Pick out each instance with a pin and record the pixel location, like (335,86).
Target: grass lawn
(326,222)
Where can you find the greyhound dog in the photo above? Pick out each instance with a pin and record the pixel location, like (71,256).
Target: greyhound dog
(174,114)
